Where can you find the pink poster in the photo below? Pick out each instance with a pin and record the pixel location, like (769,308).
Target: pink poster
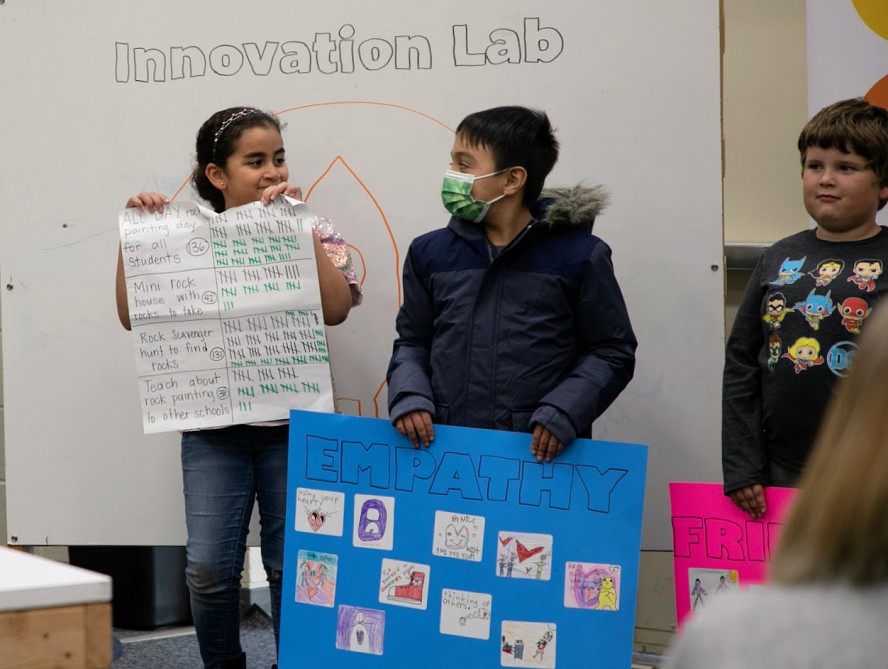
(718,548)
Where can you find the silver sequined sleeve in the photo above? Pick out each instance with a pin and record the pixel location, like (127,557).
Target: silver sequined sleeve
(338,251)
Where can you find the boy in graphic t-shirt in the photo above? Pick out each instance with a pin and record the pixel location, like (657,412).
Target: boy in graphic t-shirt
(807,300)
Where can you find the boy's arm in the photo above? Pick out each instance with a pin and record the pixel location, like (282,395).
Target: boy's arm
(409,371)
(743,445)
(606,355)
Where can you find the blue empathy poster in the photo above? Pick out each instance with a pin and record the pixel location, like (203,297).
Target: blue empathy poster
(466,554)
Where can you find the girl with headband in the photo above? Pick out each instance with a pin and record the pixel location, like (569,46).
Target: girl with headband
(241,159)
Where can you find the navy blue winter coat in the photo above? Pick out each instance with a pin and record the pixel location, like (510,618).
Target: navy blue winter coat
(537,333)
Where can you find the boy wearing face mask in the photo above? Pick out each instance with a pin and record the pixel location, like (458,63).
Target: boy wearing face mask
(512,317)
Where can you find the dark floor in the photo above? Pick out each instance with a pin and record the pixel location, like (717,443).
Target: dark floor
(176,647)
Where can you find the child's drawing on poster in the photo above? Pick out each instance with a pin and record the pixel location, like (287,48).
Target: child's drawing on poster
(404,584)
(524,555)
(592,586)
(458,535)
(374,525)
(317,578)
(465,613)
(704,584)
(320,511)
(525,644)
(360,630)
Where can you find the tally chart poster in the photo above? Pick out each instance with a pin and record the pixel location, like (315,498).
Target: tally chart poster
(468,553)
(718,549)
(226,314)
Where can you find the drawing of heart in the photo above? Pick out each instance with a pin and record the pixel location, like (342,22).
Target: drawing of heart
(524,552)
(456,539)
(312,592)
(316,519)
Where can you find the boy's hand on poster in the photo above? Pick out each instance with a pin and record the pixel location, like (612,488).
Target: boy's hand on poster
(417,426)
(544,445)
(751,499)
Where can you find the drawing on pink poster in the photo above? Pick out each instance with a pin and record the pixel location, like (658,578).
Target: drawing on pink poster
(712,538)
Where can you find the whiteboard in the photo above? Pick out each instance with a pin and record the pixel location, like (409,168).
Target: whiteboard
(101,104)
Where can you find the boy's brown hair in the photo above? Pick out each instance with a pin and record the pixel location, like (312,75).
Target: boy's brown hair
(853,125)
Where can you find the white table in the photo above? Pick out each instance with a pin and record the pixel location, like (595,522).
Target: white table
(52,614)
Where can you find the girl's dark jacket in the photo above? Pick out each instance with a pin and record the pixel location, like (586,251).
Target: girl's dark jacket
(536,332)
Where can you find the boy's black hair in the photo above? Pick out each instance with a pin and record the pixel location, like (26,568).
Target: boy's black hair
(517,137)
(217,140)
(851,125)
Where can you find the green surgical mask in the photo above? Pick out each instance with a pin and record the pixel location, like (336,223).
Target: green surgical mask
(456,194)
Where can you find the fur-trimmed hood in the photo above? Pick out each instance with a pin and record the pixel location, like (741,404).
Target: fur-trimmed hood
(574,206)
